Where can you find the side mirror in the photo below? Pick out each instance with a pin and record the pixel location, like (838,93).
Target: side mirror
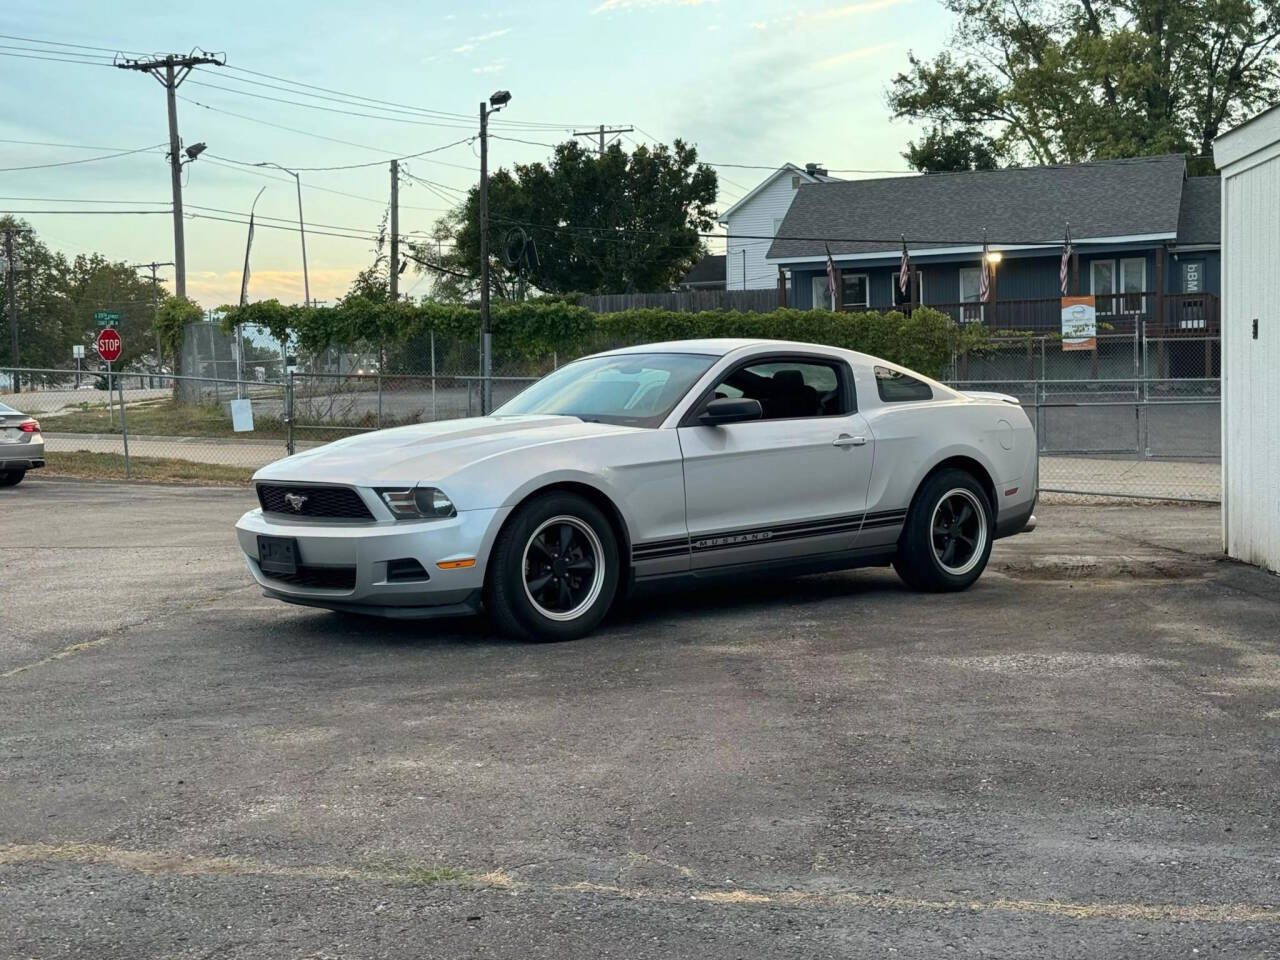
(730,410)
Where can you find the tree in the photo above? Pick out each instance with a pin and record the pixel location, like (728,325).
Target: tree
(56,299)
(1063,81)
(944,150)
(591,224)
(170,324)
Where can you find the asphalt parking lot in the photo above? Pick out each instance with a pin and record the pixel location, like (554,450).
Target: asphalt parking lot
(1076,758)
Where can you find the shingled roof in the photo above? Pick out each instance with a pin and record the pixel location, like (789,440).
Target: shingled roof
(1027,205)
(1200,217)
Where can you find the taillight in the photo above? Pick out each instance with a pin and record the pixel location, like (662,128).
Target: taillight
(29,426)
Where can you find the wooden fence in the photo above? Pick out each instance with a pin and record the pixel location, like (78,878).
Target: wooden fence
(687,301)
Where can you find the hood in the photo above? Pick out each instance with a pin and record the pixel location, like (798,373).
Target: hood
(427,452)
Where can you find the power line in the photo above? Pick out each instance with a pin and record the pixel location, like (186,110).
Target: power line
(69,163)
(311,186)
(370,163)
(316,106)
(79,200)
(62,43)
(104,213)
(530,124)
(318,136)
(69,146)
(30,56)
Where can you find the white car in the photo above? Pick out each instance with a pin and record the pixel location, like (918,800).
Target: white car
(647,466)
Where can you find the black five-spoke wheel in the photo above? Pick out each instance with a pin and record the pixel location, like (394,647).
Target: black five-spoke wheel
(563,568)
(554,569)
(947,537)
(958,531)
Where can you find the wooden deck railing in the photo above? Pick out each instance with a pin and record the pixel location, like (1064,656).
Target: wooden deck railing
(1167,315)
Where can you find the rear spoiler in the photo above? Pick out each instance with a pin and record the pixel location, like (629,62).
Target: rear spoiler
(989,395)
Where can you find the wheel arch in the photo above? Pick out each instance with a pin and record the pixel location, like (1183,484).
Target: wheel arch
(597,498)
(971,466)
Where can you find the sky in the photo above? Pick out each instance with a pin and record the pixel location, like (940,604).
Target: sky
(751,82)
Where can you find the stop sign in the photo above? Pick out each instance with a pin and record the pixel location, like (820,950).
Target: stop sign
(109,345)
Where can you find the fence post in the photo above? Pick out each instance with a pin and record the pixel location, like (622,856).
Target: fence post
(288,414)
(124,429)
(433,376)
(379,419)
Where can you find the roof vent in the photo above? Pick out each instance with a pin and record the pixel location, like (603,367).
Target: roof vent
(815,169)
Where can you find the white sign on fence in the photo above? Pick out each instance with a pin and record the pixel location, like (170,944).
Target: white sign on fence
(1079,323)
(242,415)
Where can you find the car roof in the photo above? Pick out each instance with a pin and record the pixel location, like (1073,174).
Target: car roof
(715,346)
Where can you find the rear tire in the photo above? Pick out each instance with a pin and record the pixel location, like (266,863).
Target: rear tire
(947,539)
(554,570)
(11,478)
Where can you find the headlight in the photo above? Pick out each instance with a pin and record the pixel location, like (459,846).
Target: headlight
(419,503)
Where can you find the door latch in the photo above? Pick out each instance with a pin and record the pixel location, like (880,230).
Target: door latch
(844,440)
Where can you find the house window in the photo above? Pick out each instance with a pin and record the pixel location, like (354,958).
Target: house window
(971,294)
(855,291)
(1118,285)
(897,297)
(795,182)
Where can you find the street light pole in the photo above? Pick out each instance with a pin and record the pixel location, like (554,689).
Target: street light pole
(496,102)
(302,229)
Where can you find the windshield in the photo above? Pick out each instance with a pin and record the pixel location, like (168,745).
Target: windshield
(4,409)
(635,389)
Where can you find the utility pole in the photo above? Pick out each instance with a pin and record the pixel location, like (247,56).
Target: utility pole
(600,133)
(155,301)
(496,102)
(170,71)
(11,270)
(395,230)
(302,228)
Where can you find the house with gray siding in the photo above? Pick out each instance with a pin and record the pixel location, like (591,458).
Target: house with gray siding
(1146,239)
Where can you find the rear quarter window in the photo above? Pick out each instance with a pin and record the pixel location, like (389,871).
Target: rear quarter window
(897,387)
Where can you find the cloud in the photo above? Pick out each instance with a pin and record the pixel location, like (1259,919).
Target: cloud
(496,66)
(473,42)
(614,6)
(848,10)
(850,56)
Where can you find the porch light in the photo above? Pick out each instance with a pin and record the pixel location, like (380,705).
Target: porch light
(994,256)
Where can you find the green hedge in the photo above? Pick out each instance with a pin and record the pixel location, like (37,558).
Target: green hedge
(924,341)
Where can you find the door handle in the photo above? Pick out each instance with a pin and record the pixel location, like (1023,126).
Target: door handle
(844,440)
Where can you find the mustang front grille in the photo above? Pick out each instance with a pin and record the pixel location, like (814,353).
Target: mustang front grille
(321,503)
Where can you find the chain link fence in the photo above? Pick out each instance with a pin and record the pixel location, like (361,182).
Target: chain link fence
(1146,425)
(1137,417)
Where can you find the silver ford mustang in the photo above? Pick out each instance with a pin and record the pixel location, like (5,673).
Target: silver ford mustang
(647,466)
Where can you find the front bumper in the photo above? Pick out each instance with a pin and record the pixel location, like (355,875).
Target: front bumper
(26,455)
(355,556)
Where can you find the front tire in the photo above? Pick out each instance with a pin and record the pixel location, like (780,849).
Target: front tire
(11,478)
(554,569)
(947,539)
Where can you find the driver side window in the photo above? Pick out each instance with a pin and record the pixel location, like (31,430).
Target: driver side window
(789,389)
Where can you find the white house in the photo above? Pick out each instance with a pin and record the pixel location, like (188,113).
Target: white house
(1249,158)
(759,214)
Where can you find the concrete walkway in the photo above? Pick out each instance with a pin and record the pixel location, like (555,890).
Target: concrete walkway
(1160,479)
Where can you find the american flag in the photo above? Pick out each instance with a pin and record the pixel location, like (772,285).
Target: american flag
(832,278)
(1066,257)
(984,278)
(904,271)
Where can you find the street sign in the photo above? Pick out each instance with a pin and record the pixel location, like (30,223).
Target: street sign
(109,345)
(77,351)
(106,318)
